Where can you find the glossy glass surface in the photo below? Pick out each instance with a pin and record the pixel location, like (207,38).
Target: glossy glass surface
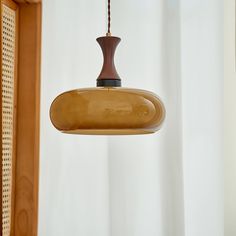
(108,111)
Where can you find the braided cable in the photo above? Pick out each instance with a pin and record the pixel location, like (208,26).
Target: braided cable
(109,18)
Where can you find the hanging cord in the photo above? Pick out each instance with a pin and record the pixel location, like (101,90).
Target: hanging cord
(109,18)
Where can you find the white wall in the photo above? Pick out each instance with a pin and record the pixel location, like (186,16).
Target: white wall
(230,117)
(166,184)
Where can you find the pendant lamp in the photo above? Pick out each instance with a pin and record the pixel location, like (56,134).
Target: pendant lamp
(107,109)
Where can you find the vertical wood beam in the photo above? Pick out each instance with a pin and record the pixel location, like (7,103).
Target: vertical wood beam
(27,150)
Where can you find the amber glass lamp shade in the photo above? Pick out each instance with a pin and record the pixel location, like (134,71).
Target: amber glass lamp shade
(107,109)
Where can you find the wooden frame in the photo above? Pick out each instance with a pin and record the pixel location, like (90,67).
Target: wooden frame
(26,164)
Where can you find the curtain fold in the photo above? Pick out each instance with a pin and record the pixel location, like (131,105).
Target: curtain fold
(202,106)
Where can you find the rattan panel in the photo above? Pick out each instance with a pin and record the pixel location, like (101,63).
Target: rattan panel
(8,67)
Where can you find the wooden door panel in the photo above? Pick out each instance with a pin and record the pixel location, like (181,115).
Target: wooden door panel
(20,48)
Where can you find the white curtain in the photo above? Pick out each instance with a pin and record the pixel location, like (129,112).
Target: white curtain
(229,118)
(166,184)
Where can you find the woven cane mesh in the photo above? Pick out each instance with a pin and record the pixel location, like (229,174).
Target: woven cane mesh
(8,58)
